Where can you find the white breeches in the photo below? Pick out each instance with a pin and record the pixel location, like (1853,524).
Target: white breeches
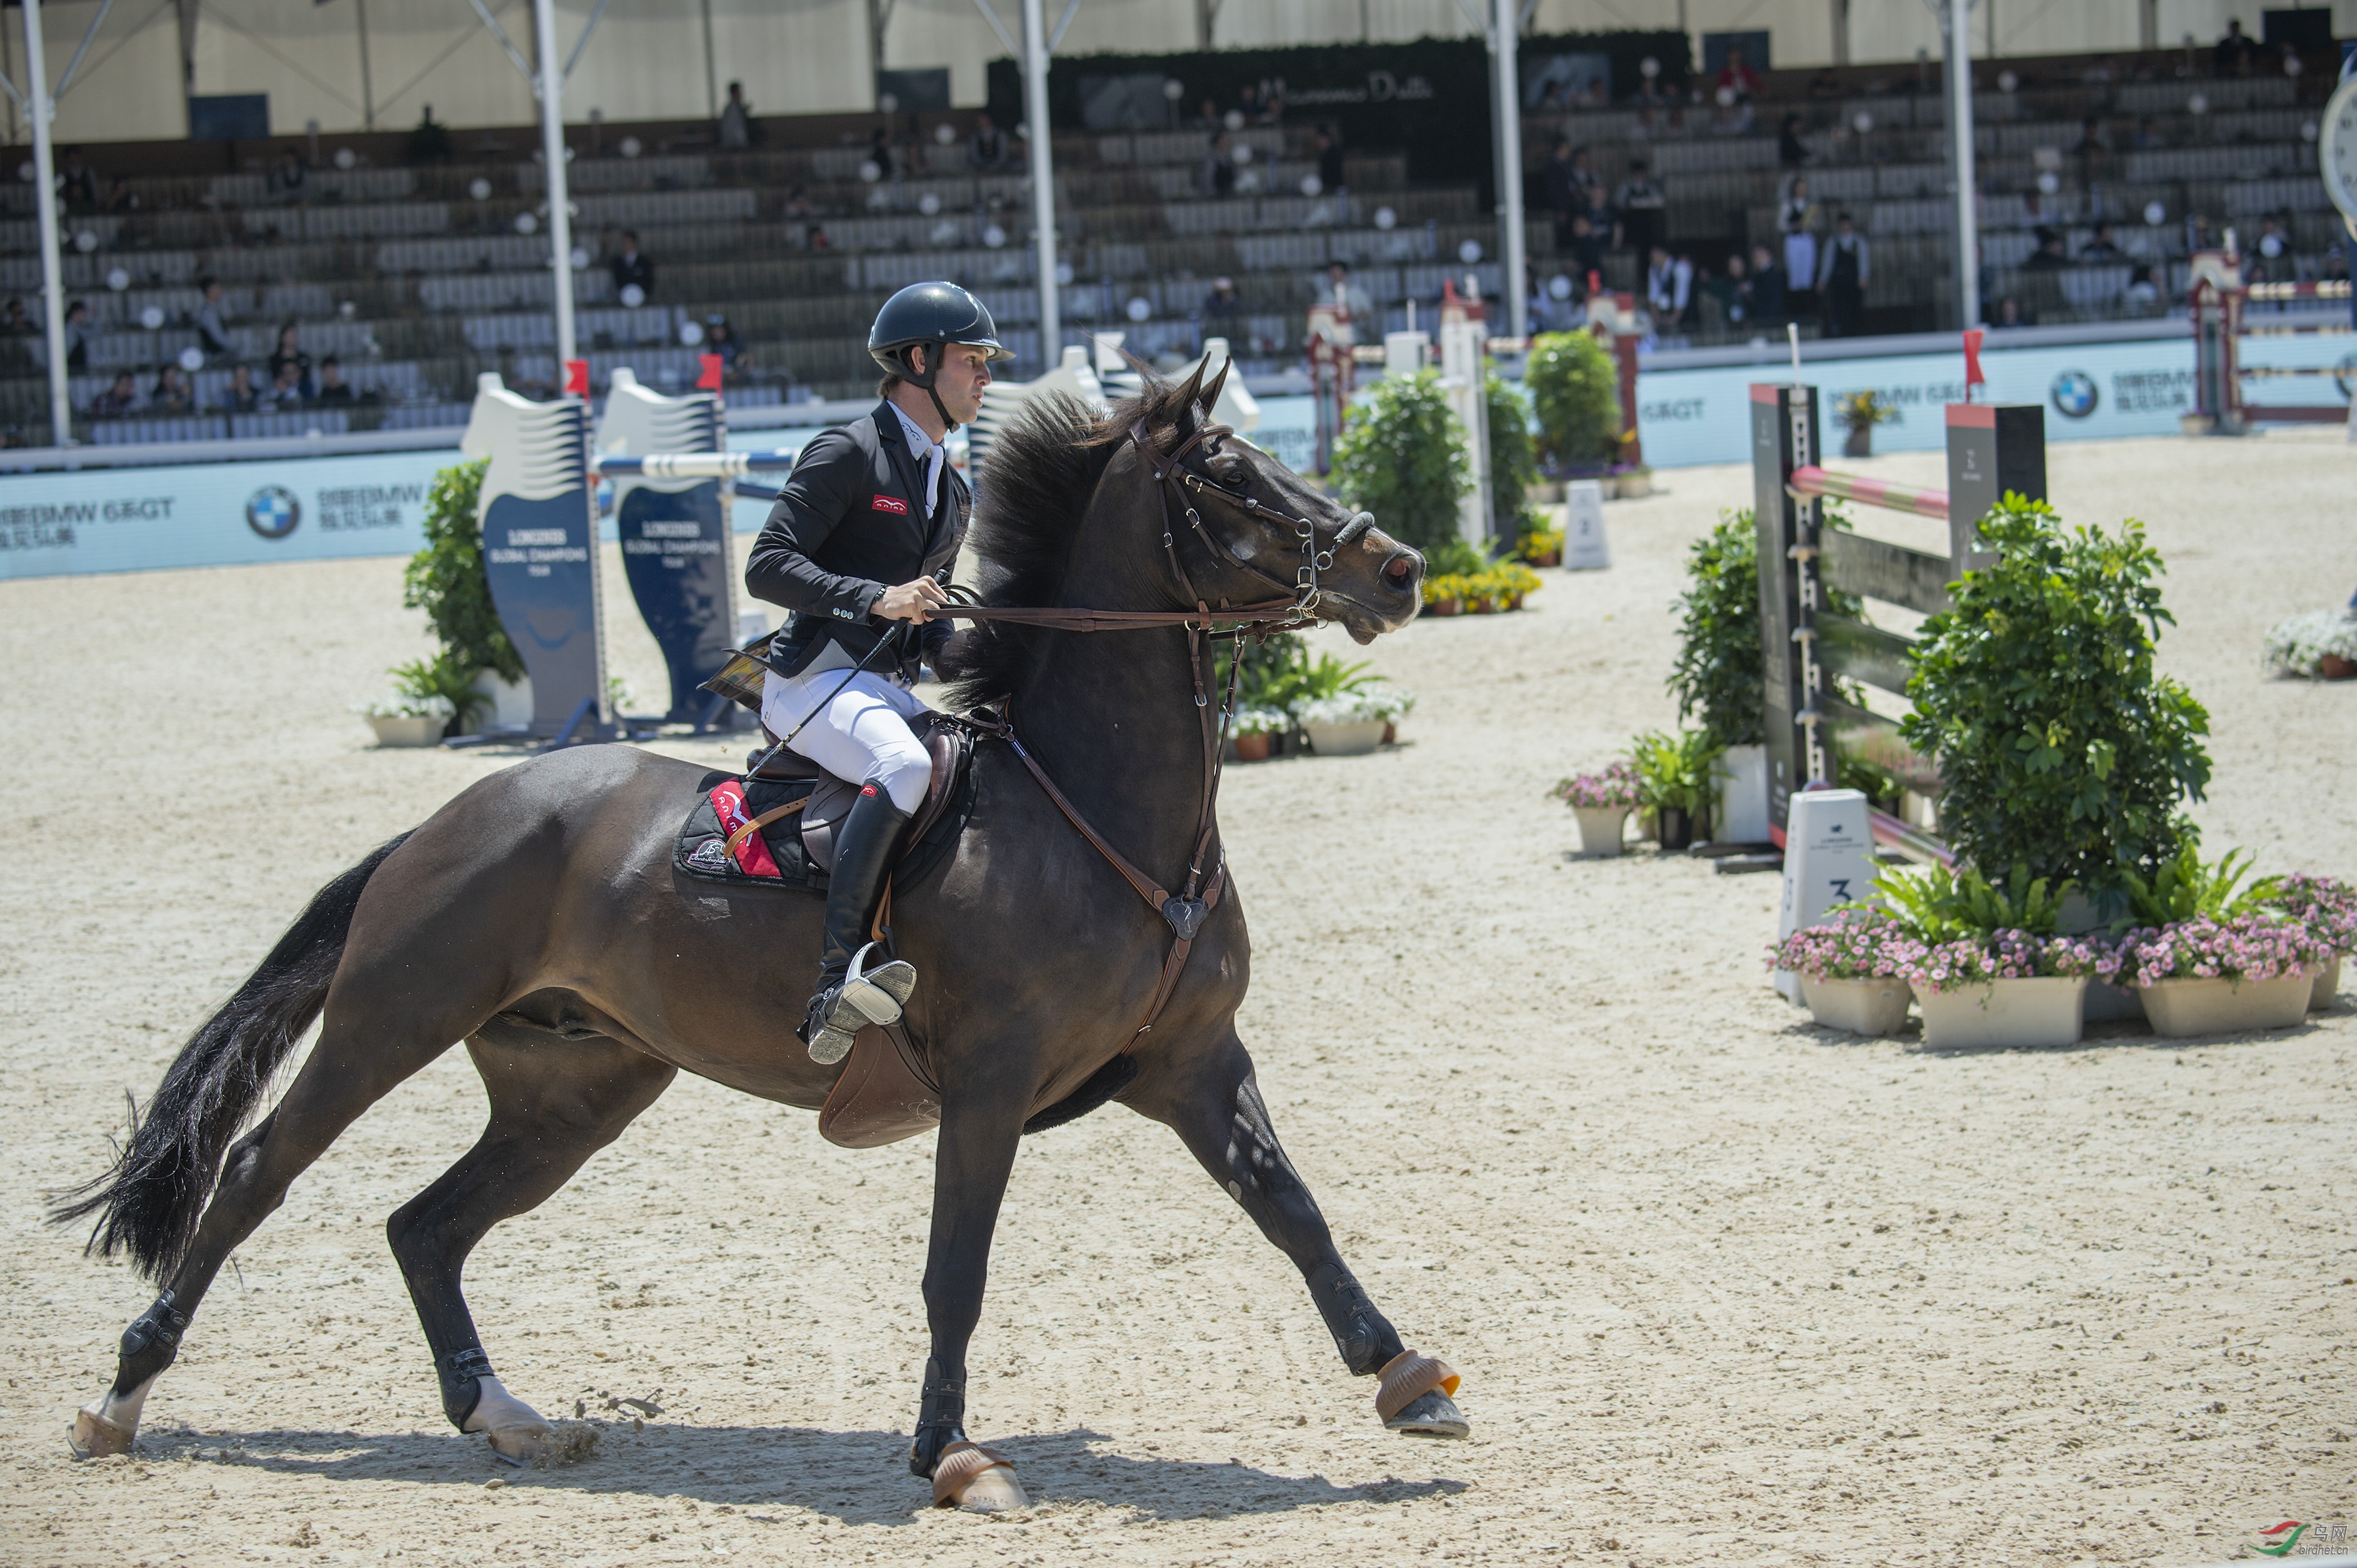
(860,734)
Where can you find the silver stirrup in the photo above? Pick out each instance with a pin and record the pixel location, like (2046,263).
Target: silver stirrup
(877,996)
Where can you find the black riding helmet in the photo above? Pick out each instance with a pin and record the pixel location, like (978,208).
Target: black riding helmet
(932,316)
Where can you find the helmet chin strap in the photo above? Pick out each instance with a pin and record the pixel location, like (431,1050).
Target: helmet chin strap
(940,353)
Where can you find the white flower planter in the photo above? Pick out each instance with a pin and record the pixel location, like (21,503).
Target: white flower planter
(407,731)
(2178,1008)
(1601,828)
(2005,1014)
(1345,740)
(2327,985)
(1876,1006)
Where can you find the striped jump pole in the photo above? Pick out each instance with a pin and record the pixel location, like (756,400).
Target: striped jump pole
(1809,481)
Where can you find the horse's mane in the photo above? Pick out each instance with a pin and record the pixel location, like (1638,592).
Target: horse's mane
(1038,481)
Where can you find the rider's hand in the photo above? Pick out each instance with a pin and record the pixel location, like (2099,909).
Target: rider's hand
(909,601)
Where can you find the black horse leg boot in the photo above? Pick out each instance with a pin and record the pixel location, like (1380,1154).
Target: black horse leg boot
(852,995)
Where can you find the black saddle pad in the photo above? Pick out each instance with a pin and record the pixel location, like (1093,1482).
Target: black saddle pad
(773,857)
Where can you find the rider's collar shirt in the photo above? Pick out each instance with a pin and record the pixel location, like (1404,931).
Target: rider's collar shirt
(925,450)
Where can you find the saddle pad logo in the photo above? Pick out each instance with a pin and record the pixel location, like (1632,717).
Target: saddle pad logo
(889,503)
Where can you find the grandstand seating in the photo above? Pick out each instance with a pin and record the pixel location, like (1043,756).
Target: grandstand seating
(418,277)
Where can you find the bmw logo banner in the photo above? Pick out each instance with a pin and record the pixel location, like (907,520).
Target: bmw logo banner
(273,511)
(2074,394)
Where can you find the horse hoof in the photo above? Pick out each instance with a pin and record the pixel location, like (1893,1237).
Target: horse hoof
(95,1438)
(517,1433)
(1434,1414)
(977,1479)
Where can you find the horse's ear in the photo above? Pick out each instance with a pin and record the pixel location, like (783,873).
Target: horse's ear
(1212,392)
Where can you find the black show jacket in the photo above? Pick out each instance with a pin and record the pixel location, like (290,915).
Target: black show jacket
(850,521)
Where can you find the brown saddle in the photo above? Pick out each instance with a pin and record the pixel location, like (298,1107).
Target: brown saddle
(947,741)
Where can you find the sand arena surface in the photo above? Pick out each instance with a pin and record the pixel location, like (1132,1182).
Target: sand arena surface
(1722,1287)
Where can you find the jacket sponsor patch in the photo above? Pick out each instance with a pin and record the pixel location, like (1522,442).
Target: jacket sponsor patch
(889,503)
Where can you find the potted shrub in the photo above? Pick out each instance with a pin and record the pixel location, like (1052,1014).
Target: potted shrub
(1514,458)
(1257,729)
(1540,545)
(1675,779)
(1857,414)
(1401,456)
(1575,391)
(448,581)
(1854,970)
(2319,645)
(1601,802)
(405,719)
(2328,907)
(1716,676)
(1992,972)
(2059,746)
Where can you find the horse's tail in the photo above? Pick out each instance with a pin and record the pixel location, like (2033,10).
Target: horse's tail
(150,1199)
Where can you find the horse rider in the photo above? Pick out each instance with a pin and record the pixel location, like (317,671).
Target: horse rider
(859,545)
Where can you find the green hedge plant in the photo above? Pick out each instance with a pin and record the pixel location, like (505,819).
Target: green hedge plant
(1513,459)
(1577,391)
(1402,457)
(2062,751)
(447,580)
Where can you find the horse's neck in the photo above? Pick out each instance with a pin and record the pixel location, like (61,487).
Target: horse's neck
(1111,714)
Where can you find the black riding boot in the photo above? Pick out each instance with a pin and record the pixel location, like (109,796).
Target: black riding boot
(851,995)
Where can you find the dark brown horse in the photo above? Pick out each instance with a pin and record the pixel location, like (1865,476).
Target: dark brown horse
(538,918)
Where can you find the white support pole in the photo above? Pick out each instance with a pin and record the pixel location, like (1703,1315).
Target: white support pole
(560,201)
(1043,178)
(45,203)
(1505,22)
(1960,124)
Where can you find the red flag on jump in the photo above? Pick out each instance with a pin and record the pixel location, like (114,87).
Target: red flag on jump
(710,380)
(1973,377)
(577,377)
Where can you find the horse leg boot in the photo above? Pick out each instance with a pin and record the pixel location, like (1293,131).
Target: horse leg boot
(851,995)
(1211,1099)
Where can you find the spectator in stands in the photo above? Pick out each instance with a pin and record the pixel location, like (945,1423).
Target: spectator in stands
(1207,118)
(1586,247)
(1221,308)
(1669,289)
(1219,172)
(1273,104)
(212,321)
(241,396)
(1649,100)
(2146,139)
(1764,287)
(121,197)
(1825,84)
(171,397)
(78,335)
(2142,292)
(2007,312)
(429,142)
(631,268)
(736,121)
(2236,52)
(815,238)
(286,181)
(1589,183)
(286,394)
(1330,178)
(2050,254)
(720,339)
(1843,274)
(1789,152)
(987,146)
(332,388)
(1724,296)
(798,204)
(1249,106)
(879,148)
(1559,183)
(16,323)
(1736,77)
(289,352)
(2101,247)
(1798,218)
(117,400)
(1338,290)
(2091,137)
(1640,211)
(77,185)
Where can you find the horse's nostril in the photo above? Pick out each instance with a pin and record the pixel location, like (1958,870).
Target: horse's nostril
(1398,569)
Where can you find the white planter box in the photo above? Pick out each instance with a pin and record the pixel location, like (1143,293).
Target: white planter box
(1742,815)
(2328,984)
(408,731)
(1601,828)
(2181,1007)
(2005,1014)
(1345,740)
(1861,1006)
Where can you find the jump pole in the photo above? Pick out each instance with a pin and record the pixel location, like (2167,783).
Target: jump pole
(2218,298)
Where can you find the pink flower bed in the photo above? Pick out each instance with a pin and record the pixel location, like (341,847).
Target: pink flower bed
(2247,946)
(1870,944)
(1616,785)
